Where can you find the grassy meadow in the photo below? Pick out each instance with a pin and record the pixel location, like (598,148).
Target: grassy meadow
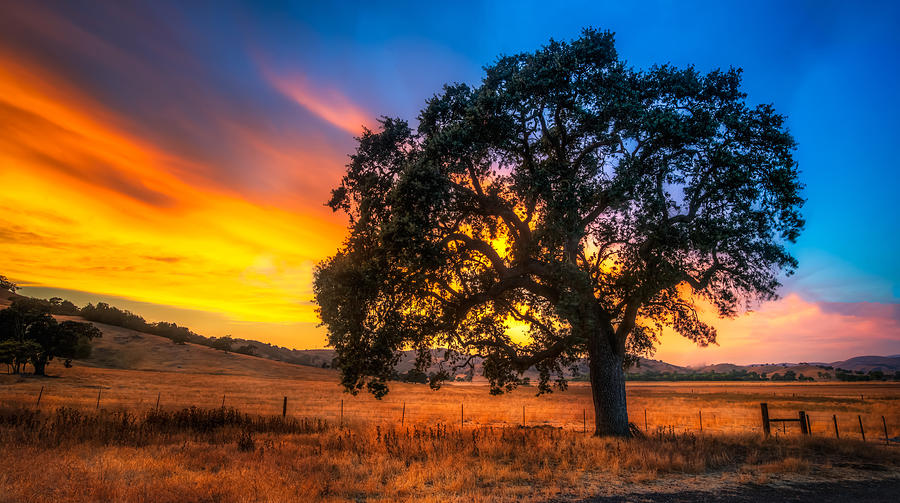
(409,446)
(58,443)
(724,407)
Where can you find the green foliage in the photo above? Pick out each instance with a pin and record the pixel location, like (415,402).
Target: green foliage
(30,334)
(788,375)
(858,375)
(111,315)
(178,334)
(15,353)
(222,343)
(63,306)
(247,349)
(591,202)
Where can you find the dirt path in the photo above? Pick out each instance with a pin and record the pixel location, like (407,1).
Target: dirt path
(873,491)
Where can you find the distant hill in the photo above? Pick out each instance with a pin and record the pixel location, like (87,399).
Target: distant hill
(122,348)
(129,349)
(869,363)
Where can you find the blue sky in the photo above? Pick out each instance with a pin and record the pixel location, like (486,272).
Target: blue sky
(831,67)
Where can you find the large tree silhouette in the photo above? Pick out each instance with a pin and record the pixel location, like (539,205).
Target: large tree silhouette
(568,192)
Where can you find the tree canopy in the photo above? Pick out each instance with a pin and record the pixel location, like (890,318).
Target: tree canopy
(29,334)
(568,194)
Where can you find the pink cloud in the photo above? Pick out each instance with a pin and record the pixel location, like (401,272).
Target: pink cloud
(328,104)
(793,330)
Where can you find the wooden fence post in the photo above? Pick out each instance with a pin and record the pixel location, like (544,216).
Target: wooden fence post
(764,408)
(461,416)
(861,430)
(836,434)
(646,429)
(403,414)
(41,393)
(803,425)
(808,425)
(523,416)
(157,400)
(98,398)
(884,423)
(284,408)
(223,400)
(701,420)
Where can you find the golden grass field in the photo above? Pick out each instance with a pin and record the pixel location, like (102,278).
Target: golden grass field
(368,455)
(724,407)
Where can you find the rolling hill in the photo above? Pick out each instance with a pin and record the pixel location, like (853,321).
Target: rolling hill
(869,363)
(122,348)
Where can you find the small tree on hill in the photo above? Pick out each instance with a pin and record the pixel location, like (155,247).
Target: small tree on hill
(7,285)
(62,306)
(590,202)
(246,349)
(30,334)
(15,354)
(178,335)
(223,343)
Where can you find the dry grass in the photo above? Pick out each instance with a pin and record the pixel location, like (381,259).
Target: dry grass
(731,408)
(130,369)
(68,449)
(93,457)
(127,451)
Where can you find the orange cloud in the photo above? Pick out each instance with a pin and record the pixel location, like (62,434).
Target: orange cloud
(328,104)
(86,205)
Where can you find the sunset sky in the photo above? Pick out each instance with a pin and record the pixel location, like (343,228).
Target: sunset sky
(175,160)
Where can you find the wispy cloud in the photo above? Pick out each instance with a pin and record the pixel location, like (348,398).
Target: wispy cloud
(90,205)
(327,103)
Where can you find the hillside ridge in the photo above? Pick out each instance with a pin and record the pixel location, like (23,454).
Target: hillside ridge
(124,348)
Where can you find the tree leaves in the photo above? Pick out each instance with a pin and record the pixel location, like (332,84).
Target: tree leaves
(568,192)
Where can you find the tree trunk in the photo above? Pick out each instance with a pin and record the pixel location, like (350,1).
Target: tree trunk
(39,367)
(608,389)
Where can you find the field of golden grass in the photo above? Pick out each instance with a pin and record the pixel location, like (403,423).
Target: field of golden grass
(455,444)
(131,370)
(370,456)
(427,464)
(723,407)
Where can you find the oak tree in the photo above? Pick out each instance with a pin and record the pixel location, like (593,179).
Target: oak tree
(570,194)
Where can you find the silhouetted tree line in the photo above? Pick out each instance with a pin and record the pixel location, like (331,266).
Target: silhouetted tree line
(17,349)
(872,375)
(790,375)
(734,375)
(111,315)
